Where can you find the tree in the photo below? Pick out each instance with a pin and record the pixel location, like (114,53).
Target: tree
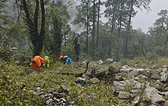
(35,28)
(98,15)
(93,31)
(76,48)
(58,28)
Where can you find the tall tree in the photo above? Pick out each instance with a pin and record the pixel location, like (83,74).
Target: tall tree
(93,31)
(98,15)
(36,33)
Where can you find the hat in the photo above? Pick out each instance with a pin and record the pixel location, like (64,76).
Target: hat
(65,56)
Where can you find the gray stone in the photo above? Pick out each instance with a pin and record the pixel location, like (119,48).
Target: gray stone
(135,91)
(63,99)
(166,95)
(164,69)
(38,89)
(51,90)
(100,62)
(124,95)
(164,77)
(64,89)
(155,76)
(108,61)
(141,77)
(119,78)
(151,94)
(165,66)
(80,80)
(49,101)
(136,101)
(59,95)
(145,72)
(94,80)
(118,86)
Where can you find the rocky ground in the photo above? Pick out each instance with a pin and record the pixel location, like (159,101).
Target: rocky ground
(102,84)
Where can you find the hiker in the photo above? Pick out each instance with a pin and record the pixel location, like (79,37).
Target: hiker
(37,62)
(68,61)
(47,61)
(61,59)
(65,58)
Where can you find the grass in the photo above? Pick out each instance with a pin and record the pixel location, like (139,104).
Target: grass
(13,77)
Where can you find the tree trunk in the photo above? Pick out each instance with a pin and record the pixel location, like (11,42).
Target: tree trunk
(128,29)
(36,38)
(93,46)
(87,31)
(98,25)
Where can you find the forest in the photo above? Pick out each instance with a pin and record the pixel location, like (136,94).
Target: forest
(48,28)
(74,28)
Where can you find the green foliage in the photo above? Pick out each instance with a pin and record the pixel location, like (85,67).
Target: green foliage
(124,62)
(150,56)
(5,53)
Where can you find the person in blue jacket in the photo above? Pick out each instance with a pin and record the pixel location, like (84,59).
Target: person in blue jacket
(68,61)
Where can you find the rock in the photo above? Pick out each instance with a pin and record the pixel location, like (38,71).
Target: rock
(85,77)
(156,71)
(51,90)
(138,85)
(119,78)
(164,69)
(141,77)
(94,80)
(126,69)
(124,95)
(166,95)
(155,77)
(113,89)
(49,101)
(157,85)
(118,86)
(151,94)
(145,72)
(100,62)
(136,101)
(47,96)
(58,95)
(63,99)
(108,61)
(164,77)
(165,66)
(135,91)
(64,89)
(96,66)
(38,89)
(27,62)
(136,62)
(80,80)
(17,62)
(133,73)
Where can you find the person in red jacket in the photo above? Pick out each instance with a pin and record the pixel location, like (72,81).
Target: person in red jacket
(37,63)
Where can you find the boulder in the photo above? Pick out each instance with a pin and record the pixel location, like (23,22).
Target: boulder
(108,61)
(151,94)
(80,80)
(124,95)
(164,77)
(64,89)
(100,62)
(118,86)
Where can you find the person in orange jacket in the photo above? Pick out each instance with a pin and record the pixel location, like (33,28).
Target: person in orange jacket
(37,63)
(61,59)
